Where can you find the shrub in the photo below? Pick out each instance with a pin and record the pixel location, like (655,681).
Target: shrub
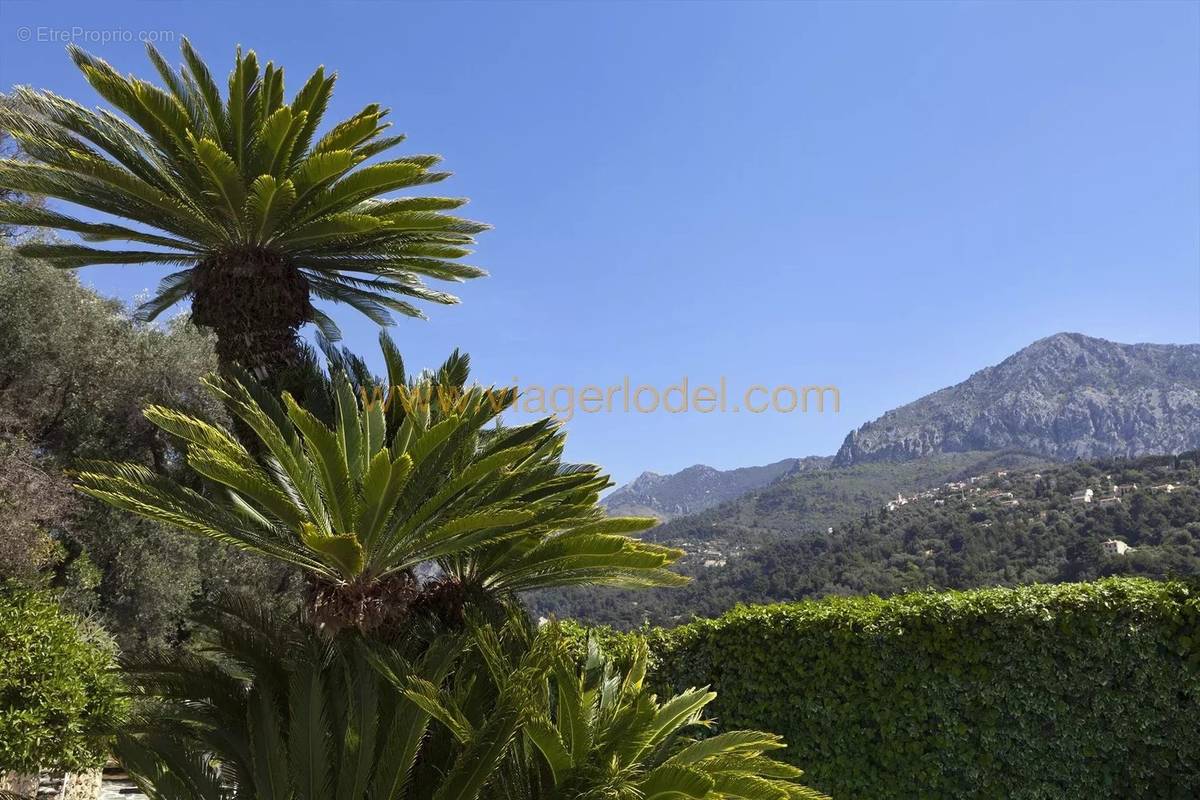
(59,691)
(1074,690)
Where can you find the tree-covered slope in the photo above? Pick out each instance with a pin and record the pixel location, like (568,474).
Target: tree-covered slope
(75,374)
(809,501)
(1008,527)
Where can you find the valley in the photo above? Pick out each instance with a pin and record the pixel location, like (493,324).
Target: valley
(1030,431)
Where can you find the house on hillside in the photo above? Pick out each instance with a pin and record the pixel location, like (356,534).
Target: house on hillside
(1125,488)
(1164,487)
(1115,547)
(1082,497)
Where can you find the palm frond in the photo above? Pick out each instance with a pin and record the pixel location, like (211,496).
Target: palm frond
(387,478)
(235,175)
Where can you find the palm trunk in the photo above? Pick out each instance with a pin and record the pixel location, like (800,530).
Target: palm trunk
(374,607)
(255,301)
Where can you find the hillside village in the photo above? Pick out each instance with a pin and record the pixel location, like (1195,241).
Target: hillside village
(997,491)
(982,488)
(983,496)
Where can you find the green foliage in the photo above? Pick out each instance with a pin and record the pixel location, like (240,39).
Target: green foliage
(217,176)
(75,374)
(59,690)
(1068,691)
(395,482)
(270,708)
(274,708)
(602,734)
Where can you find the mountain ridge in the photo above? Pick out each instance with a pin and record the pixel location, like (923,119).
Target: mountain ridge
(698,487)
(1065,402)
(1064,396)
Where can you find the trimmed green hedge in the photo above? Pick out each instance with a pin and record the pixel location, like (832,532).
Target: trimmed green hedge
(59,689)
(1069,691)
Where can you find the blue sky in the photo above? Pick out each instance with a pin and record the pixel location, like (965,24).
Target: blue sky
(882,197)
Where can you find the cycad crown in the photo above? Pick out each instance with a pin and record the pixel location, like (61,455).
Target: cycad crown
(261,212)
(410,477)
(595,731)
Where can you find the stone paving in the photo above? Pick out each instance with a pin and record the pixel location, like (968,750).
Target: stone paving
(113,789)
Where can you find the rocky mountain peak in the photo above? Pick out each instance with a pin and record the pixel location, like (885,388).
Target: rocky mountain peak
(1065,396)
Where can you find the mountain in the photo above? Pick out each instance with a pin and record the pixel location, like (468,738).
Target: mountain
(1066,396)
(1002,527)
(698,487)
(802,506)
(1062,398)
(807,503)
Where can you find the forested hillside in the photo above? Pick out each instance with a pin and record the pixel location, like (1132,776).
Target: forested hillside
(811,500)
(75,374)
(1007,527)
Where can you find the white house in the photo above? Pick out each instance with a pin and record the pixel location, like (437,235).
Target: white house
(1115,547)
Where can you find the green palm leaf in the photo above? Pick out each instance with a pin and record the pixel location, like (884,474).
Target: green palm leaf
(364,497)
(272,708)
(241,188)
(593,731)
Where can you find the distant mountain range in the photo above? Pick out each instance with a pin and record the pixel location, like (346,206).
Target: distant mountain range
(801,527)
(699,487)
(1064,397)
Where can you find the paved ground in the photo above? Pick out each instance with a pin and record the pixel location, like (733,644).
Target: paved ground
(120,790)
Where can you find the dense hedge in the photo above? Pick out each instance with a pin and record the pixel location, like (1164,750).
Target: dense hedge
(59,690)
(1070,691)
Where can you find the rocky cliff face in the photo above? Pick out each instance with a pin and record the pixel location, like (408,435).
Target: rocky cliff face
(1066,396)
(698,488)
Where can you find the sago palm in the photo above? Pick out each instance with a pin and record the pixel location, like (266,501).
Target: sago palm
(594,732)
(414,478)
(266,709)
(261,208)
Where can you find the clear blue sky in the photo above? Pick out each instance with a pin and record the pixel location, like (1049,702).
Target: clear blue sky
(884,197)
